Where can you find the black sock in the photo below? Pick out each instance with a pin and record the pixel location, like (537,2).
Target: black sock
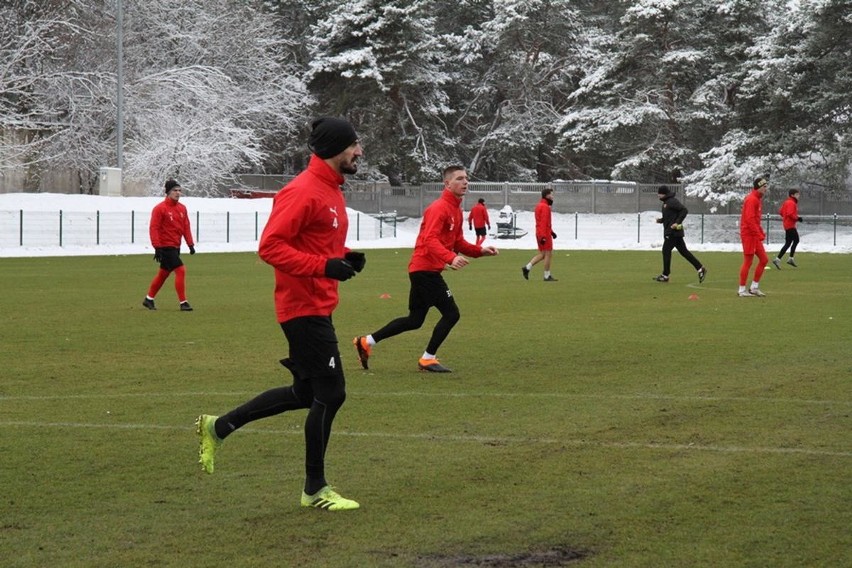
(222,428)
(314,484)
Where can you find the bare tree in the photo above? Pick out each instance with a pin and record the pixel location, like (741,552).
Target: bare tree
(29,41)
(207,85)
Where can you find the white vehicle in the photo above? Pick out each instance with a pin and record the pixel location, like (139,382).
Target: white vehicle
(507,226)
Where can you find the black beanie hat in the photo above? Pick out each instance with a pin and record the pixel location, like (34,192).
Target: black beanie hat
(662,190)
(759,182)
(330,136)
(170,185)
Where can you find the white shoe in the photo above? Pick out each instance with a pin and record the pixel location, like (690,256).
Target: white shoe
(756,292)
(777,263)
(745,294)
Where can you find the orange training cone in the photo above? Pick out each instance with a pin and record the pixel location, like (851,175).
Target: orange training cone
(693,296)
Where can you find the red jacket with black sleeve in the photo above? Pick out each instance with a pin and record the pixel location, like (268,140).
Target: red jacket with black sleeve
(441,236)
(169,222)
(750,218)
(307,226)
(789,213)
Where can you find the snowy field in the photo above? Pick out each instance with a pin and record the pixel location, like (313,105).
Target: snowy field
(88,222)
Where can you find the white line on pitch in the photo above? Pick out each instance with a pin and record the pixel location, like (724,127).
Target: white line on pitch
(420,394)
(458,438)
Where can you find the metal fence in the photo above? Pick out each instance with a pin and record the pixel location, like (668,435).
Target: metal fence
(828,230)
(574,197)
(91,228)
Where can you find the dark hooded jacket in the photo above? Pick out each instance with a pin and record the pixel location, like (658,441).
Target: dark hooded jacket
(673,214)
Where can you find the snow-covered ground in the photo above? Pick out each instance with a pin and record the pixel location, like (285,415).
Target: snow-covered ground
(40,230)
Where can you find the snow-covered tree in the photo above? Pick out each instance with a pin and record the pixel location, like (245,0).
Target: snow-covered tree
(208,86)
(637,101)
(209,82)
(515,68)
(376,62)
(793,103)
(34,85)
(712,92)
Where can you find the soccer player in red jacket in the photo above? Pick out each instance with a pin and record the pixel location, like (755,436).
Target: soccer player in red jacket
(305,241)
(169,223)
(440,244)
(477,220)
(789,218)
(544,236)
(752,235)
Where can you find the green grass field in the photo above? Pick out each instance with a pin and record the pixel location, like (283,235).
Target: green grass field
(602,420)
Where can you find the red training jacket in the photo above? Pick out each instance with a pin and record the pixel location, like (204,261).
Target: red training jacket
(543,222)
(789,213)
(307,226)
(750,218)
(478,216)
(169,222)
(440,236)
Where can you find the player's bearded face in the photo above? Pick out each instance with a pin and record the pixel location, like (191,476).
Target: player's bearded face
(349,158)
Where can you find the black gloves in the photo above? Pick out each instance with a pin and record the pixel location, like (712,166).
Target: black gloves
(158,254)
(356,259)
(799,219)
(345,268)
(552,234)
(338,269)
(191,249)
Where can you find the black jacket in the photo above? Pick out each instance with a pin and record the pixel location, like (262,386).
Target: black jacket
(673,214)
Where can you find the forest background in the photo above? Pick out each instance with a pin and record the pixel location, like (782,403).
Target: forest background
(706,92)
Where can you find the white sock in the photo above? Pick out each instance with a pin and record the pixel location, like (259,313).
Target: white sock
(755,285)
(529,266)
(427,356)
(370,340)
(742,288)
(547,274)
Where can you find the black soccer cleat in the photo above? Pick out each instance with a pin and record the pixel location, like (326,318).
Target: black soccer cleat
(185,307)
(146,303)
(702,274)
(363,349)
(525,271)
(661,278)
(432,365)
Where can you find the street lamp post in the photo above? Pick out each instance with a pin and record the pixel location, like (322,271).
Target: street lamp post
(119,99)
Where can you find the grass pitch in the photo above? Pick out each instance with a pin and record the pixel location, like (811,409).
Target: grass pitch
(601,420)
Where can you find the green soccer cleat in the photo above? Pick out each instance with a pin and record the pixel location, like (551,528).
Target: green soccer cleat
(208,442)
(328,499)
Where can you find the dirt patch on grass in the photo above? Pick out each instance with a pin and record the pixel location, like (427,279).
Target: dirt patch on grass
(548,558)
